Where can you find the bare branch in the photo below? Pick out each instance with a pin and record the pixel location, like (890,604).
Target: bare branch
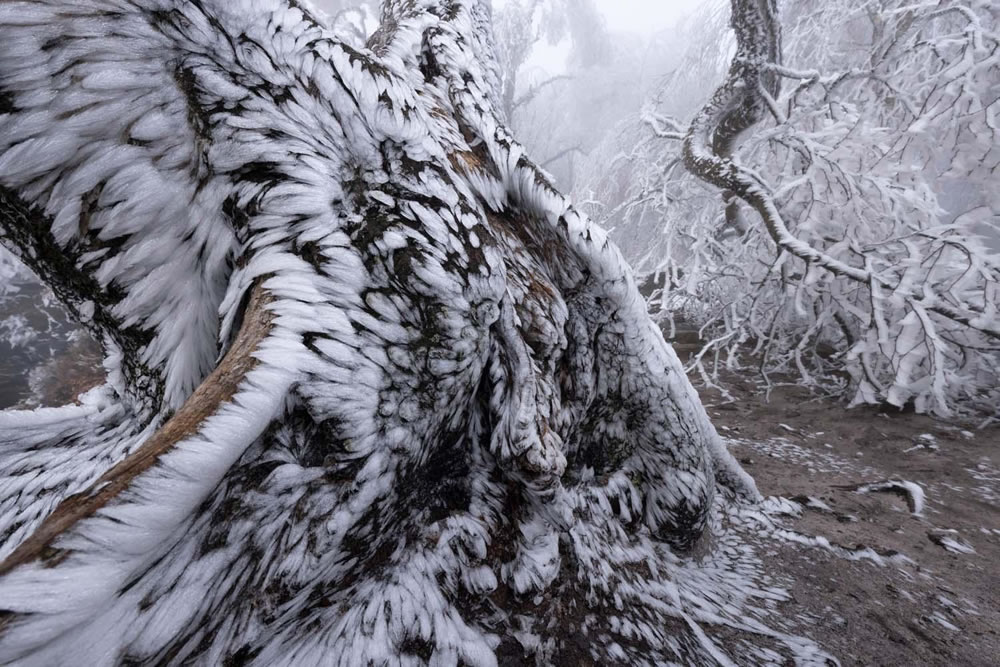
(563,153)
(536,89)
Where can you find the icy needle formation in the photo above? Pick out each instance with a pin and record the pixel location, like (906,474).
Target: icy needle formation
(376,391)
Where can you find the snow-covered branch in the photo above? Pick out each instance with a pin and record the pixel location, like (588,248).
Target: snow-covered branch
(860,174)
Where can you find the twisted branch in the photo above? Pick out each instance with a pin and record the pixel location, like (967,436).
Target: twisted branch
(737,105)
(213,393)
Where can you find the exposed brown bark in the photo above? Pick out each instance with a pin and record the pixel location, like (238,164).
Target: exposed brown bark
(217,389)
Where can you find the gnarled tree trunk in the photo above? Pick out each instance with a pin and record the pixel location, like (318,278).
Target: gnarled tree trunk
(376,390)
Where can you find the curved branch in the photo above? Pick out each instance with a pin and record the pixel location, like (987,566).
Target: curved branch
(563,153)
(737,105)
(535,90)
(215,391)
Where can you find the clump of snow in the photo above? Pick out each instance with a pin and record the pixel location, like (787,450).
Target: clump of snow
(913,492)
(816,503)
(924,441)
(86,311)
(949,539)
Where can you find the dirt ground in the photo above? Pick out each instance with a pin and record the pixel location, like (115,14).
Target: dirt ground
(897,584)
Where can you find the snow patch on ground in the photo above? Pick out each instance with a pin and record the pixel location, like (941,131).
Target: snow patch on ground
(911,490)
(948,539)
(988,476)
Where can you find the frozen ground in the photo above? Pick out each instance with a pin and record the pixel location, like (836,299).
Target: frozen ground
(44,357)
(873,577)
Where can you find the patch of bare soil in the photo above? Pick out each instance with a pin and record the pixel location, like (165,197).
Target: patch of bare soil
(45,357)
(61,379)
(893,578)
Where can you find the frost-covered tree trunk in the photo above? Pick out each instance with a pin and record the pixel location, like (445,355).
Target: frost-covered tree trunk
(376,391)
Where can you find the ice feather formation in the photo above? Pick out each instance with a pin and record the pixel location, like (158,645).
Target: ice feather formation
(377,392)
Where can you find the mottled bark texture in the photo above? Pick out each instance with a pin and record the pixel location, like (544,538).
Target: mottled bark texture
(377,392)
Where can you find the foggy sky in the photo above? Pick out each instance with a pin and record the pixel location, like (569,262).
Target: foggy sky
(643,16)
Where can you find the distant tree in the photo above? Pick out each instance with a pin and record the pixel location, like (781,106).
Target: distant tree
(376,391)
(557,109)
(858,213)
(522,24)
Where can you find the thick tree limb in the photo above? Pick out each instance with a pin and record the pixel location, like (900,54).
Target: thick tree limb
(217,389)
(475,405)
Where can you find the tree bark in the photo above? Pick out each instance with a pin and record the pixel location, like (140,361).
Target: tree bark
(376,389)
